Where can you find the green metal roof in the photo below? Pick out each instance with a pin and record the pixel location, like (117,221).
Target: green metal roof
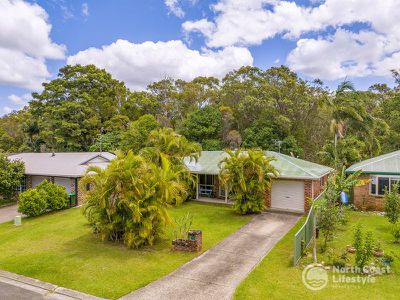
(384,164)
(287,166)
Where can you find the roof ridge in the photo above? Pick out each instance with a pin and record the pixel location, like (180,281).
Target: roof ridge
(375,160)
(283,157)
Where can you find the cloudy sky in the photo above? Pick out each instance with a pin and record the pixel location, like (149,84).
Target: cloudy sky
(143,41)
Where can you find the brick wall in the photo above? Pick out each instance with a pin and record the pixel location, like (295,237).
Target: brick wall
(80,196)
(362,198)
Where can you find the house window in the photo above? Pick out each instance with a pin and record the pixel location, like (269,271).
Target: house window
(206,185)
(22,185)
(205,179)
(380,184)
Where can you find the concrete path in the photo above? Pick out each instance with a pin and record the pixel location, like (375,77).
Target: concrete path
(7,213)
(18,287)
(216,273)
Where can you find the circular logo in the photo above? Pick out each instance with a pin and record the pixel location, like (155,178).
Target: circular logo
(315,277)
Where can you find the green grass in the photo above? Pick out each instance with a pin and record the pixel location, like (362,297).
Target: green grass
(276,278)
(60,248)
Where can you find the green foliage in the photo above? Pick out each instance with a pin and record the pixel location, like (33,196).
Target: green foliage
(44,197)
(211,145)
(396,232)
(32,202)
(138,132)
(248,175)
(56,196)
(106,142)
(11,174)
(364,246)
(203,124)
(392,204)
(129,199)
(182,226)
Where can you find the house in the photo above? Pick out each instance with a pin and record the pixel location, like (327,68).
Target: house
(64,169)
(298,180)
(379,173)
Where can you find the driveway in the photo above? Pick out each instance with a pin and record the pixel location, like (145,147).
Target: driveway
(8,213)
(216,273)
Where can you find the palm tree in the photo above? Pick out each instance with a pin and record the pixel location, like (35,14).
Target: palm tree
(129,200)
(248,175)
(172,145)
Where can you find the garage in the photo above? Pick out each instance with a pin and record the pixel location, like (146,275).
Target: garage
(288,195)
(65,182)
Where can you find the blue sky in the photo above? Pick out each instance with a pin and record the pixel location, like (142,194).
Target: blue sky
(142,41)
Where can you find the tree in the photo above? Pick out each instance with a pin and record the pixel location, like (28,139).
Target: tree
(11,174)
(203,125)
(72,109)
(138,132)
(248,175)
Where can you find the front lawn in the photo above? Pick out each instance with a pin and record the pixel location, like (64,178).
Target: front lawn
(60,248)
(276,278)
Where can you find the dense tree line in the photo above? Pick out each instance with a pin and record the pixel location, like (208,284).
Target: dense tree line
(86,109)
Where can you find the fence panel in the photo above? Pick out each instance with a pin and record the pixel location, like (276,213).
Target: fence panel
(304,236)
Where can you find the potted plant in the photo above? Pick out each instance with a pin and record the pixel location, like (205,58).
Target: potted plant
(378,251)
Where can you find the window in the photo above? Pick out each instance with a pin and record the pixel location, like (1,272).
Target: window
(379,184)
(206,179)
(22,185)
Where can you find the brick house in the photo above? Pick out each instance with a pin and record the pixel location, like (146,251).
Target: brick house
(65,169)
(379,173)
(298,180)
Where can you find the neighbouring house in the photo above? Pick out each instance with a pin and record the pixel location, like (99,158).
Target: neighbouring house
(298,180)
(65,169)
(379,173)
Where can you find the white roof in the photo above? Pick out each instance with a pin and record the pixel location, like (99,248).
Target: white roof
(69,164)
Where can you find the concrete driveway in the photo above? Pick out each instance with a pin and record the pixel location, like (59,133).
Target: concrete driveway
(216,273)
(8,213)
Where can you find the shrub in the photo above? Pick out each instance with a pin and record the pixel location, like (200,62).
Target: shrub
(32,202)
(392,204)
(248,175)
(396,232)
(56,195)
(364,246)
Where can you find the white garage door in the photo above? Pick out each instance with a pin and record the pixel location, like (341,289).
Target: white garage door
(288,195)
(65,182)
(37,179)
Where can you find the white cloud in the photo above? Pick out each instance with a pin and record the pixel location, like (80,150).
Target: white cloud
(250,22)
(85,9)
(140,64)
(174,7)
(19,100)
(25,44)
(344,54)
(7,109)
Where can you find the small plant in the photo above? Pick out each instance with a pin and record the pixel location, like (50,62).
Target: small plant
(378,251)
(396,232)
(364,247)
(182,226)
